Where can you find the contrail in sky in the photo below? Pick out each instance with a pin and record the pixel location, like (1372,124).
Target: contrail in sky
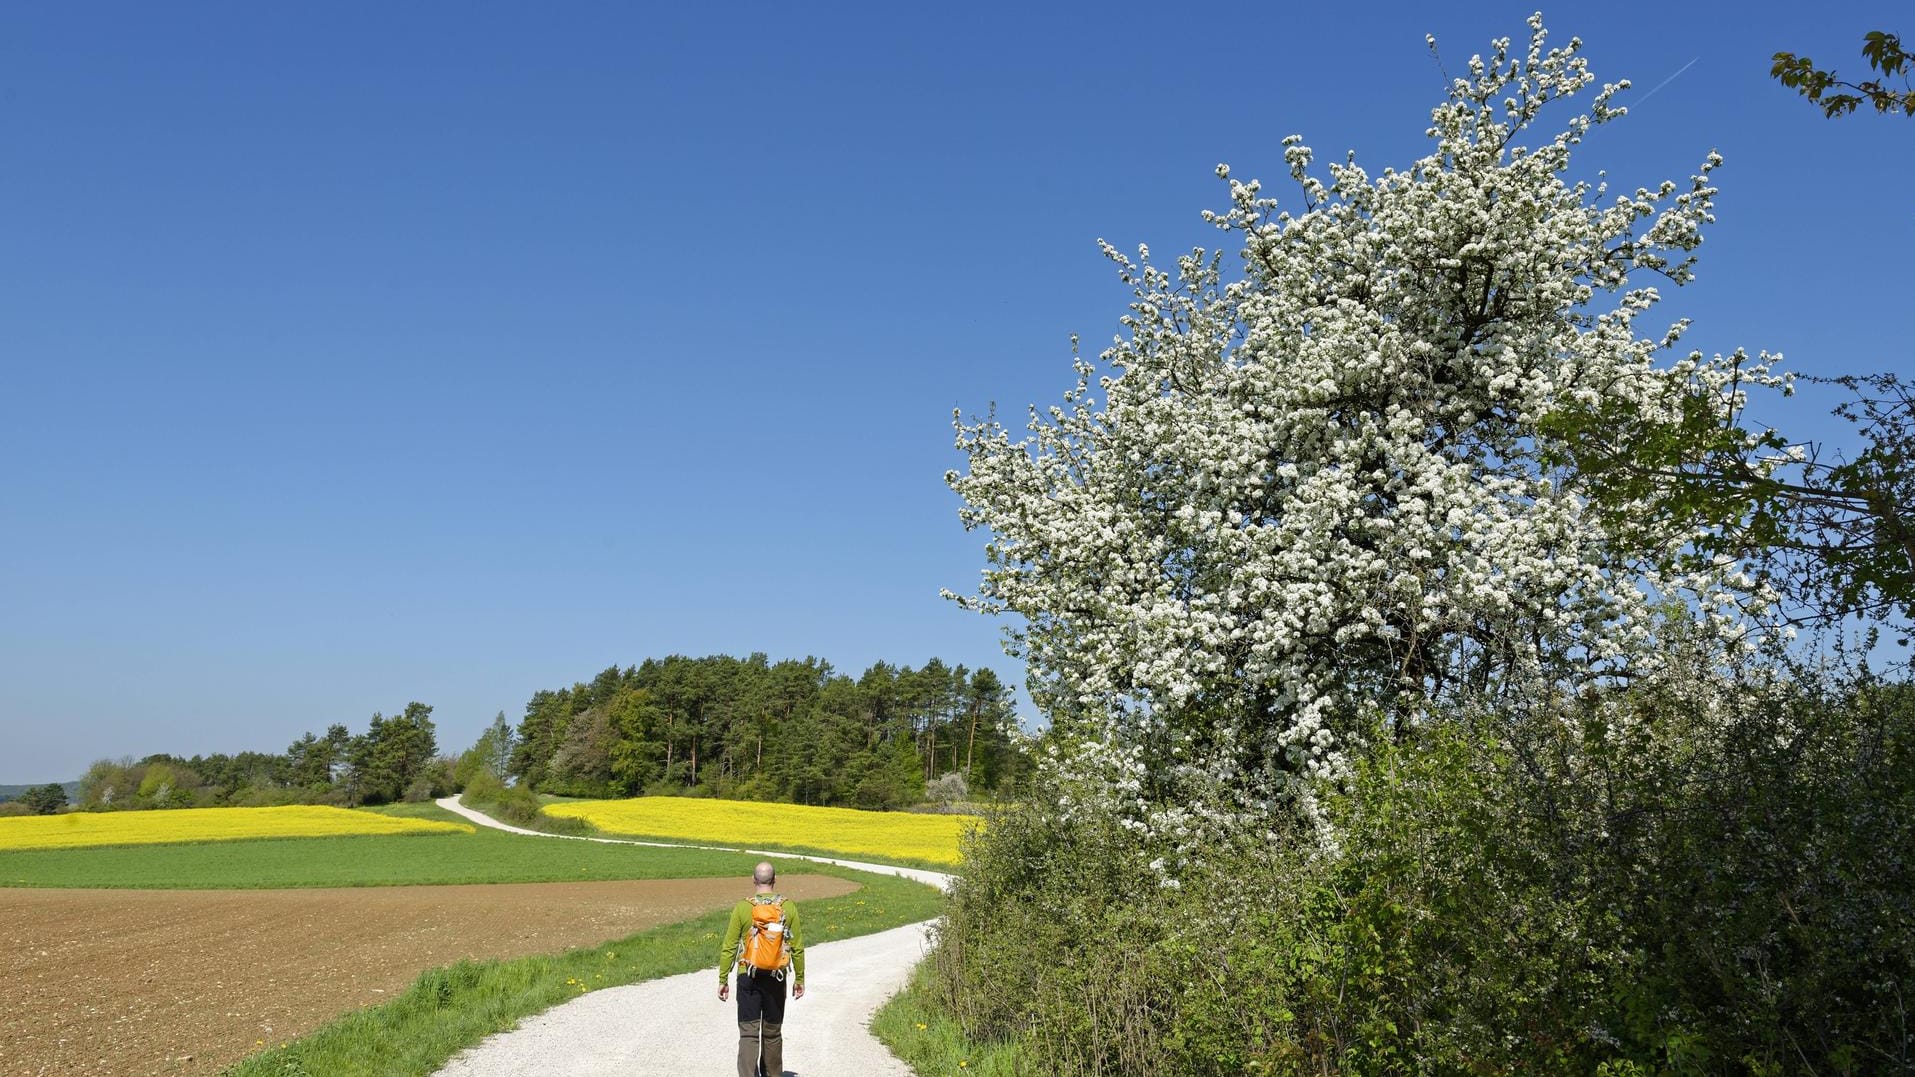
(1668,80)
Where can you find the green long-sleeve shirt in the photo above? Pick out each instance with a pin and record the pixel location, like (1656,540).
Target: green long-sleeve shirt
(741,923)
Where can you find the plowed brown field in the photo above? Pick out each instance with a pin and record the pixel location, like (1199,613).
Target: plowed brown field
(118,983)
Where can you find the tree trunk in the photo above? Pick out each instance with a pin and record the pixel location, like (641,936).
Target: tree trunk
(970,744)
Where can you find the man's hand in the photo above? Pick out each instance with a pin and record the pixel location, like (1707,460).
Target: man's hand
(797,990)
(724,992)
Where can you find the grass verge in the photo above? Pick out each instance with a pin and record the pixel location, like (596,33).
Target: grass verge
(449,1009)
(931,1043)
(780,847)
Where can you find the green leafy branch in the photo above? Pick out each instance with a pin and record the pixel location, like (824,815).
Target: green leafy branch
(1884,53)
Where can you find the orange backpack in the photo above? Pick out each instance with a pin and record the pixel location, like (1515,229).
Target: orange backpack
(765,945)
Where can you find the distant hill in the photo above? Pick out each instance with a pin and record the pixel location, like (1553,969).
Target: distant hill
(12,792)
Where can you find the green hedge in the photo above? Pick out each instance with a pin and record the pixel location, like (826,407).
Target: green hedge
(1658,887)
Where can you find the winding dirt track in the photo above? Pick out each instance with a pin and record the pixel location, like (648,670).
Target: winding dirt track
(118,983)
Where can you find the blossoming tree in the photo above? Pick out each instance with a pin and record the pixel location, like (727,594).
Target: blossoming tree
(1322,492)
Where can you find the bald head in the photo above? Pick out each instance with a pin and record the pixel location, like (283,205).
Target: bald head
(764,874)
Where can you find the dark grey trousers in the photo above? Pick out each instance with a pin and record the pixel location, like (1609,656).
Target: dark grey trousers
(761,1024)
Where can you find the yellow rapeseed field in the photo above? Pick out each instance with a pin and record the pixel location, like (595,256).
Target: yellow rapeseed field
(76,829)
(870,834)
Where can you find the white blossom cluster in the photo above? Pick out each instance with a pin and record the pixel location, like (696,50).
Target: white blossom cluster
(1295,500)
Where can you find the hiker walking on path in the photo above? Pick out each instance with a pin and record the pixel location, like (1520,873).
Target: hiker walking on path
(762,942)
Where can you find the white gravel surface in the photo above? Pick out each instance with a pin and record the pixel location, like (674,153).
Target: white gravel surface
(676,1026)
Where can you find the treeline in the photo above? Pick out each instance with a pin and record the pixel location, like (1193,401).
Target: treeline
(715,726)
(33,799)
(396,758)
(757,730)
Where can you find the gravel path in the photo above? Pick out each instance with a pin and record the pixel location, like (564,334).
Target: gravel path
(676,1026)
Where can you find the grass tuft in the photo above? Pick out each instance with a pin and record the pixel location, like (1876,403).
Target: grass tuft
(933,1044)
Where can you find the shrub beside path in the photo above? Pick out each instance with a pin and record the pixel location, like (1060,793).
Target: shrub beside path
(676,1025)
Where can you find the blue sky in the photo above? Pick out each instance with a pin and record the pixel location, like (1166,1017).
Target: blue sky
(371,353)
